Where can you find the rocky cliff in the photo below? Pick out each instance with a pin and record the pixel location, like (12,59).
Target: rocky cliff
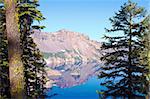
(71,56)
(66,47)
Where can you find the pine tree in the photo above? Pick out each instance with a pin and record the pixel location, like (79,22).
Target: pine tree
(16,68)
(124,72)
(35,75)
(4,70)
(146,51)
(146,39)
(23,13)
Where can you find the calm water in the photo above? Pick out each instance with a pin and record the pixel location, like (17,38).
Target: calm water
(77,82)
(86,90)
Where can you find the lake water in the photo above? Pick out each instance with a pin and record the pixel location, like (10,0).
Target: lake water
(77,81)
(87,90)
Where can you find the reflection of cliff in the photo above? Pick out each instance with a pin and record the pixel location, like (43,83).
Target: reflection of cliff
(71,56)
(76,75)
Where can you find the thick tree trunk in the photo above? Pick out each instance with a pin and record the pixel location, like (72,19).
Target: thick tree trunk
(14,51)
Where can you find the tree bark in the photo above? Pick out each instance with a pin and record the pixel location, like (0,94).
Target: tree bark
(16,68)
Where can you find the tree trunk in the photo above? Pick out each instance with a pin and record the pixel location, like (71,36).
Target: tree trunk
(16,69)
(130,59)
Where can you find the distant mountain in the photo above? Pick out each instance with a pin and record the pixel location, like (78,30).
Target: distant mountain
(71,56)
(66,47)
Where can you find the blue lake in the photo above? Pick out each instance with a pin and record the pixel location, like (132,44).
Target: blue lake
(87,90)
(78,82)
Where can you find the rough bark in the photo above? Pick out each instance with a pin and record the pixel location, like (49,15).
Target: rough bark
(14,51)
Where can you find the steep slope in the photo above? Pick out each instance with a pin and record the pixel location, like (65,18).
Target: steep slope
(66,46)
(72,57)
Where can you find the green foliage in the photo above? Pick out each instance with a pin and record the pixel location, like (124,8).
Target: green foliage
(77,58)
(4,70)
(124,71)
(60,54)
(34,64)
(47,55)
(146,40)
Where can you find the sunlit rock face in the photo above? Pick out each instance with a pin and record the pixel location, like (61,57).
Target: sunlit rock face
(71,56)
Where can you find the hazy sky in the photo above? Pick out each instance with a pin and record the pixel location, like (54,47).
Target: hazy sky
(86,16)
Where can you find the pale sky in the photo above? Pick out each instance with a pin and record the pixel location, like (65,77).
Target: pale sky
(89,17)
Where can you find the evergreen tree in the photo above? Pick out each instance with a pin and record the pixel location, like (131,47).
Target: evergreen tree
(16,68)
(146,51)
(22,13)
(4,70)
(35,75)
(124,72)
(146,40)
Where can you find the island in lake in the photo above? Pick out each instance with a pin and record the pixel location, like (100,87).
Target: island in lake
(71,65)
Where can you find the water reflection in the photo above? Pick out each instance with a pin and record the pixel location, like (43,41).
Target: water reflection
(79,81)
(75,74)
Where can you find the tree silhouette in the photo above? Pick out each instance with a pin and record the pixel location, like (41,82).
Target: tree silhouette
(124,72)
(19,55)
(35,75)
(4,70)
